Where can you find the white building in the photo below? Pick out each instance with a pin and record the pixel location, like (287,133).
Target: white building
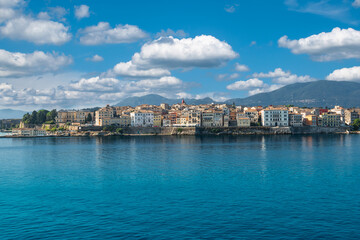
(142,119)
(275,117)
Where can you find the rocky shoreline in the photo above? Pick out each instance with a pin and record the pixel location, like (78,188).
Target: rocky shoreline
(202,131)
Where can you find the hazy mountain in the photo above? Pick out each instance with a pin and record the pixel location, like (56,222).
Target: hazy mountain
(11,114)
(154,99)
(312,94)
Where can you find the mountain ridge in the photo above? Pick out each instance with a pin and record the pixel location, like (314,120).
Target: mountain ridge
(320,93)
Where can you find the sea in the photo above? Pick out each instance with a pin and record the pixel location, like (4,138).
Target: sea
(181,187)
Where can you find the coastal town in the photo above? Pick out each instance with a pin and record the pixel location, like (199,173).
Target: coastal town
(181,116)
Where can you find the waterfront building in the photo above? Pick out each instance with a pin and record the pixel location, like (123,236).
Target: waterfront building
(311,120)
(28,132)
(330,120)
(350,116)
(243,122)
(105,112)
(122,121)
(207,119)
(157,120)
(295,120)
(73,116)
(253,114)
(142,119)
(275,117)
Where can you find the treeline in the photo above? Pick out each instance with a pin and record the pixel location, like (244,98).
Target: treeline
(40,117)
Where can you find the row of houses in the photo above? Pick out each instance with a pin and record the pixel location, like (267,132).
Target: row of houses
(210,115)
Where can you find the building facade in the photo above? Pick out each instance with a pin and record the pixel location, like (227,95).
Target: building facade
(275,117)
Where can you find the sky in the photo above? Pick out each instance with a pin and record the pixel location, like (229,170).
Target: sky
(76,54)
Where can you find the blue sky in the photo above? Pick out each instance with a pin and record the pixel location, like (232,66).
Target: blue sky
(72,54)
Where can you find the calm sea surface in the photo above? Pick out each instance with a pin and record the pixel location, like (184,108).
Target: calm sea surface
(272,187)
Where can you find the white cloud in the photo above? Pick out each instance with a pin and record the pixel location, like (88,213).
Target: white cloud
(38,31)
(338,10)
(88,92)
(95,58)
(279,76)
(246,85)
(278,72)
(266,88)
(162,83)
(6,13)
(202,51)
(345,74)
(293,78)
(158,57)
(103,33)
(356,3)
(128,69)
(227,77)
(22,64)
(169,32)
(216,96)
(326,46)
(241,68)
(58,13)
(11,3)
(96,84)
(82,11)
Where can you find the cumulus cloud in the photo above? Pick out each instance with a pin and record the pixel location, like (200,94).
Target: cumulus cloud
(6,13)
(168,52)
(241,68)
(158,57)
(82,11)
(345,74)
(103,33)
(38,31)
(96,84)
(279,76)
(246,85)
(128,69)
(326,46)
(95,58)
(88,92)
(22,64)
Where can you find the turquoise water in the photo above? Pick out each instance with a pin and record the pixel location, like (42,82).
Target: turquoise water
(249,187)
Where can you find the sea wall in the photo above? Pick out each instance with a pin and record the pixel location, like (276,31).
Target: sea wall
(231,130)
(319,130)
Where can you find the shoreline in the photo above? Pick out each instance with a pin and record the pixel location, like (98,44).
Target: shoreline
(202,131)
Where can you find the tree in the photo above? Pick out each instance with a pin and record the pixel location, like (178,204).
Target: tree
(88,118)
(356,124)
(33,117)
(41,116)
(50,116)
(26,118)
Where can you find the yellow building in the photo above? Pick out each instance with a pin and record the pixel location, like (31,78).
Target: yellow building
(243,122)
(311,120)
(157,120)
(104,113)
